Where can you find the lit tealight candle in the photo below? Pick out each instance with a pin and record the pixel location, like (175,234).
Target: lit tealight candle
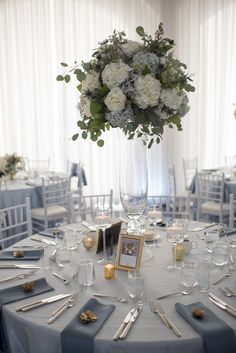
(155,214)
(109,271)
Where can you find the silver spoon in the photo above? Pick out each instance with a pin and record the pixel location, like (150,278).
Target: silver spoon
(184,292)
(222,277)
(65,281)
(119,299)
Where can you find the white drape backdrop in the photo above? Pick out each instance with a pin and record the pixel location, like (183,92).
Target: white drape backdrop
(38,114)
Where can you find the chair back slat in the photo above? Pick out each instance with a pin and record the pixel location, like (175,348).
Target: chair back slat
(170,206)
(210,196)
(85,207)
(232,214)
(15,223)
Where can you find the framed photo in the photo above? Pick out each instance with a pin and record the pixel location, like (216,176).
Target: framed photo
(111,234)
(129,252)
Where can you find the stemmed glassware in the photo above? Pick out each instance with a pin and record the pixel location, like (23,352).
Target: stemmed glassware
(133,182)
(103,221)
(175,235)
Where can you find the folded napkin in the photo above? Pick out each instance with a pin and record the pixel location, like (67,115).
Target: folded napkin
(217,336)
(28,255)
(231,231)
(49,233)
(13,294)
(78,337)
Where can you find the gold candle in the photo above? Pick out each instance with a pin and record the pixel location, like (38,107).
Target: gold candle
(109,271)
(180,251)
(88,242)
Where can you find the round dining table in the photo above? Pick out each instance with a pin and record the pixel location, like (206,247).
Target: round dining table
(29,332)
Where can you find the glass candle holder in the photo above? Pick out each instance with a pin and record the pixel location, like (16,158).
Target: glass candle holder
(109,271)
(88,241)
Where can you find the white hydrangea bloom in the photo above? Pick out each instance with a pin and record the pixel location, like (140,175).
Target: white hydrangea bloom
(85,104)
(172,98)
(91,82)
(147,91)
(115,100)
(130,47)
(145,59)
(115,73)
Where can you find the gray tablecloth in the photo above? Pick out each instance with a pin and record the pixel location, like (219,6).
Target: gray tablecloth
(16,193)
(29,332)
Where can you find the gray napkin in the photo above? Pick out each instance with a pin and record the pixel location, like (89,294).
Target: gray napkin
(28,255)
(231,231)
(13,294)
(217,336)
(78,337)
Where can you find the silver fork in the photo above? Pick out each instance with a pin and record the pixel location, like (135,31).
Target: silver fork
(230,291)
(19,276)
(119,299)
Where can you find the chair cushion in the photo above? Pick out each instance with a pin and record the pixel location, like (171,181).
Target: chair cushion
(214,207)
(52,212)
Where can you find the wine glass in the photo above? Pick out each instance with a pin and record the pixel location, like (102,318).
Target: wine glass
(133,182)
(103,221)
(175,235)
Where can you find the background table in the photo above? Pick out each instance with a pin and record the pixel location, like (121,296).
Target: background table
(29,332)
(17,191)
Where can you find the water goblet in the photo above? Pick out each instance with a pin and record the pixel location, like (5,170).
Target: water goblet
(103,221)
(175,235)
(133,182)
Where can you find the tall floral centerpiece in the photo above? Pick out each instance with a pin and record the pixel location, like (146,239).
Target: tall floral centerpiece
(138,87)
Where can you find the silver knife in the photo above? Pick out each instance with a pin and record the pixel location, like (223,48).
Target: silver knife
(40,239)
(27,246)
(224,307)
(18,266)
(214,297)
(198,229)
(19,276)
(154,309)
(124,323)
(171,324)
(39,303)
(68,304)
(130,323)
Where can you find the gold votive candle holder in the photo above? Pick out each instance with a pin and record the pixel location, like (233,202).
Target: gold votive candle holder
(109,271)
(88,241)
(180,251)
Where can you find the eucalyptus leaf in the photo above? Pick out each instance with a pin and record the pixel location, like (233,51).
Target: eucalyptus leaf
(140,31)
(67,78)
(75,136)
(84,135)
(82,125)
(100,143)
(64,64)
(60,78)
(80,75)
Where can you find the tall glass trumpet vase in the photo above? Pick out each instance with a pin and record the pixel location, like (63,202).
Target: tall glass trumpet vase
(102,222)
(133,181)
